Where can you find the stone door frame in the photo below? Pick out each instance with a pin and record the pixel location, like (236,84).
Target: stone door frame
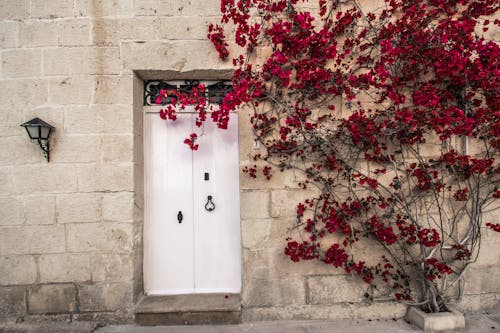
(175,309)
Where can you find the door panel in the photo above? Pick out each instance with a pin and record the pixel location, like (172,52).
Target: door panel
(217,245)
(168,249)
(203,253)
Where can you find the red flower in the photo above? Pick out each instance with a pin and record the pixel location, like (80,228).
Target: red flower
(461,195)
(191,141)
(335,256)
(495,227)
(429,237)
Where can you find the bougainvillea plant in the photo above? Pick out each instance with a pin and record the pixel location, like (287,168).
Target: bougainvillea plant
(390,112)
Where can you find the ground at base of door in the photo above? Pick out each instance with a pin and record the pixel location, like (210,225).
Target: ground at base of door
(475,323)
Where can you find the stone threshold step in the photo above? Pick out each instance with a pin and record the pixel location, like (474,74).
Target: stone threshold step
(190,309)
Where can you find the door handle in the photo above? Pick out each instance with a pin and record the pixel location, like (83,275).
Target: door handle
(179,217)
(209,206)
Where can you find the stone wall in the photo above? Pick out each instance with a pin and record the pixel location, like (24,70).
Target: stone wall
(70,230)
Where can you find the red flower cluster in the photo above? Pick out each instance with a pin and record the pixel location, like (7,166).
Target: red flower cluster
(191,141)
(336,256)
(429,237)
(435,269)
(216,36)
(301,251)
(493,226)
(383,232)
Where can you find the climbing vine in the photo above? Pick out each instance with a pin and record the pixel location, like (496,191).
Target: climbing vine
(390,112)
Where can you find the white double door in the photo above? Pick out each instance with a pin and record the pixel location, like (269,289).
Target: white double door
(191,245)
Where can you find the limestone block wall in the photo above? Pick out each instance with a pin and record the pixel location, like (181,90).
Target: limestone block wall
(71,229)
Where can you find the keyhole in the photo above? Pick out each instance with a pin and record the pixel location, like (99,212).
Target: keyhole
(179,217)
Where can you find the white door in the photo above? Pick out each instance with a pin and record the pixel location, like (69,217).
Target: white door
(191,245)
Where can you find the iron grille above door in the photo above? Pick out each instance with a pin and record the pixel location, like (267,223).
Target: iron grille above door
(214,90)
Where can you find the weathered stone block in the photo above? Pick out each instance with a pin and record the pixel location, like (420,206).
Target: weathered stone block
(104,8)
(106,237)
(44,178)
(280,180)
(74,32)
(275,292)
(482,279)
(184,28)
(66,61)
(334,289)
(21,63)
(175,55)
(117,148)
(106,178)
(255,232)
(246,144)
(52,9)
(474,303)
(296,312)
(40,209)
(12,211)
(32,239)
(254,204)
(10,118)
(105,296)
(38,33)
(105,32)
(64,268)
(17,270)
(189,8)
(19,150)
(113,90)
(378,310)
(71,90)
(284,202)
(112,119)
(77,149)
(12,301)
(114,31)
(53,298)
(82,60)
(6,182)
(78,207)
(146,7)
(257,263)
(14,9)
(489,251)
(112,268)
(34,93)
(118,207)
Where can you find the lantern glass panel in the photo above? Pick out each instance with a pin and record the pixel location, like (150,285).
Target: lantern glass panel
(44,133)
(33,132)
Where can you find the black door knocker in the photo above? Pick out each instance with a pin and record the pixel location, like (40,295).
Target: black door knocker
(179,217)
(209,206)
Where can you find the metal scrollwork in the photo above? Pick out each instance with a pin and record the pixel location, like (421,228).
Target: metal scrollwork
(152,91)
(214,92)
(188,86)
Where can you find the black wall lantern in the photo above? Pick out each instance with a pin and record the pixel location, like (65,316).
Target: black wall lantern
(40,131)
